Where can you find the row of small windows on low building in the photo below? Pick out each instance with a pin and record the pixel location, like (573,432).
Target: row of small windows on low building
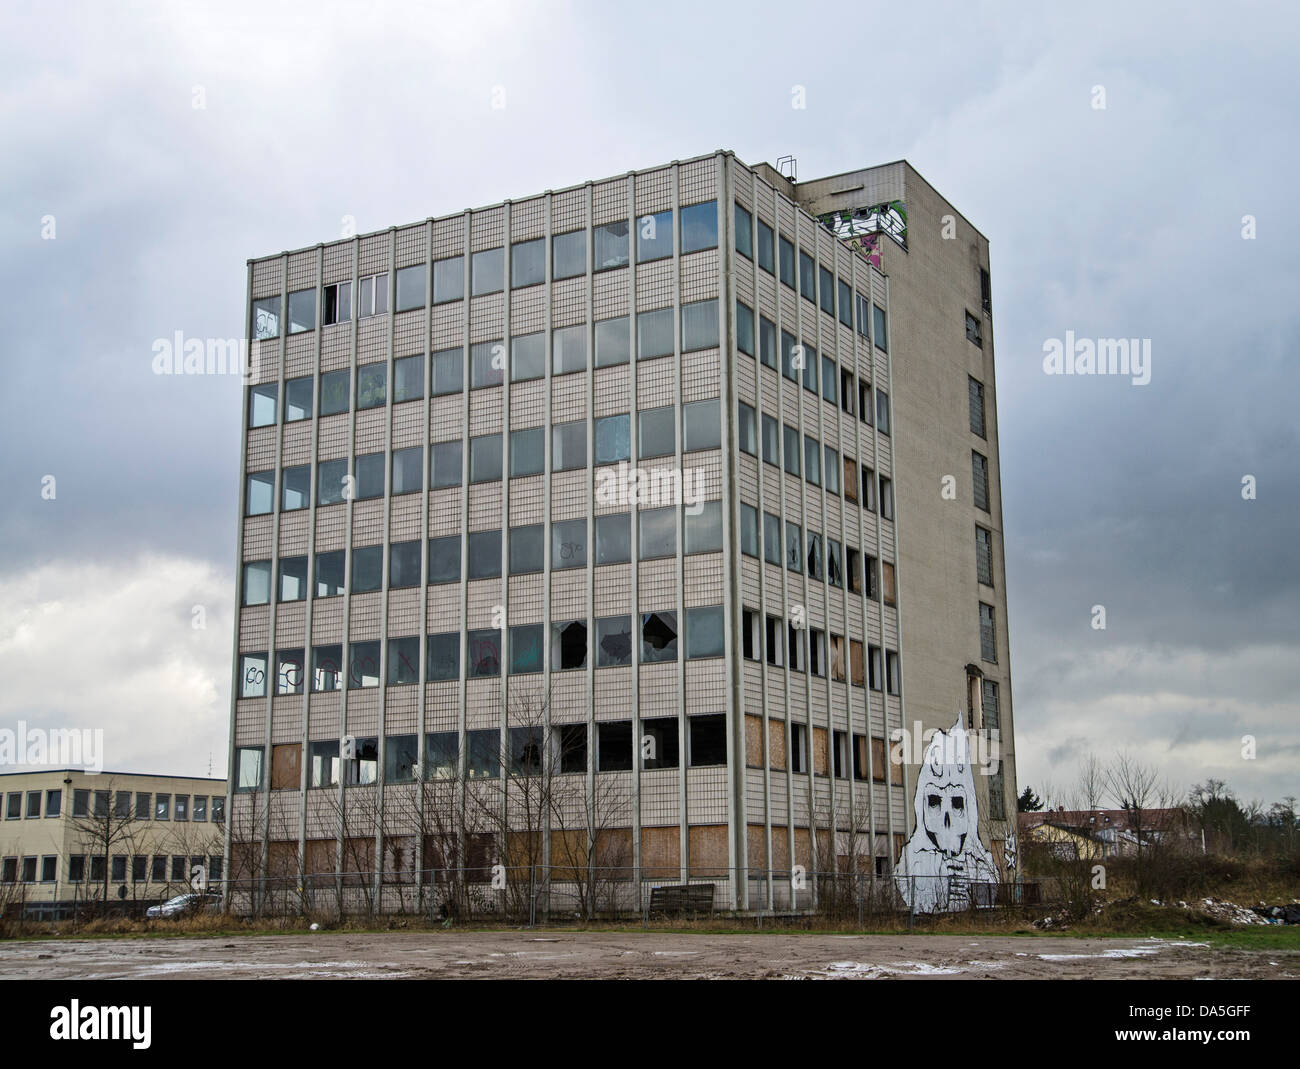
(525,548)
(609,246)
(486,653)
(144,868)
(489,361)
(524,751)
(96,804)
(781,642)
(489,458)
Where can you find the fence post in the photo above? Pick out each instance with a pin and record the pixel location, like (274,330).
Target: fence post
(911,901)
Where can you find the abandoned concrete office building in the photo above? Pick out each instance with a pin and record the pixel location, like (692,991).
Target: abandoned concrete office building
(449,571)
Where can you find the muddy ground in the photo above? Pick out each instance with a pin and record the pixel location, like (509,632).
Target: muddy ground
(624,955)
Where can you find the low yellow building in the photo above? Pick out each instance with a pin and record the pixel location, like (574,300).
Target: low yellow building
(68,835)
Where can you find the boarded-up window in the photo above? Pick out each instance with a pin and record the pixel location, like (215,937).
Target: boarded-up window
(802,848)
(286,766)
(887,581)
(821,751)
(661,853)
(856,662)
(754,741)
(878,760)
(284,859)
(613,854)
(860,757)
(851,478)
(776,744)
(321,856)
(837,658)
(568,853)
(358,861)
(399,859)
(755,849)
(708,850)
(781,850)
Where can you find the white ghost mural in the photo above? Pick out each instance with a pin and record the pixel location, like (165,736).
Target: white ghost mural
(946,842)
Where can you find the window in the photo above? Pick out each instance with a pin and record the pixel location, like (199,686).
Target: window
(326,668)
(323,763)
(569,349)
(527,451)
(657,432)
(485,458)
(162,803)
(448,371)
(847,394)
(295,488)
(289,672)
(569,544)
(372,385)
(850,479)
(256,587)
(408,378)
(363,665)
(744,328)
(613,439)
(980,479)
(748,432)
(997,796)
(614,746)
(704,529)
(373,296)
(367,569)
(442,656)
(34,804)
(444,559)
(80,804)
(158,868)
(882,411)
(410,287)
(790,449)
(53,803)
(887,592)
(364,767)
(701,425)
(302,311)
(832,470)
(609,246)
(298,399)
(487,361)
(369,470)
(829,380)
(816,651)
(525,753)
(658,637)
(868,489)
(408,470)
(840,754)
(338,304)
(181,811)
(807,277)
(771,538)
(252,675)
(986,293)
(266,318)
(793,547)
(483,758)
(815,569)
(810,368)
(812,460)
(528,262)
(654,333)
(699,326)
(748,530)
(571,746)
(846,303)
(766,257)
(404,662)
(976,406)
(878,328)
(771,441)
(527,549)
(261,404)
(50,868)
(773,642)
(992,711)
(658,529)
(984,555)
(834,563)
(247,770)
(200,807)
(864,402)
(614,538)
(441,754)
(749,634)
(973,330)
(404,563)
(528,356)
(708,740)
(988,636)
(261,493)
(826,290)
(704,632)
(700,227)
(568,446)
(654,237)
(335,391)
(445,464)
(613,641)
(853,570)
(886,498)
(787,261)
(569,254)
(791,357)
(893,678)
(569,645)
(744,227)
(663,750)
(487,272)
(837,658)
(767,341)
(613,344)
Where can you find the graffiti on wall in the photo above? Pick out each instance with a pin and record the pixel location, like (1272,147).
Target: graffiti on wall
(945,855)
(862,228)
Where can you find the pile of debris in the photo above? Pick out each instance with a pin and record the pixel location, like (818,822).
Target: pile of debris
(1223,910)
(1288,914)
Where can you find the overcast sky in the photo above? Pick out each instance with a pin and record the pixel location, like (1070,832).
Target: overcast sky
(1117,222)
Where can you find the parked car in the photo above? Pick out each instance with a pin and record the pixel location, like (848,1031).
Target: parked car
(186,905)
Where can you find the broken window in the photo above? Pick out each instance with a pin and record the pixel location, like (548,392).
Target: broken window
(708,740)
(363,766)
(613,641)
(659,742)
(569,644)
(658,637)
(614,753)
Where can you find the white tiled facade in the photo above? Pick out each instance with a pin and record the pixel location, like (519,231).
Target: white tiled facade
(757,809)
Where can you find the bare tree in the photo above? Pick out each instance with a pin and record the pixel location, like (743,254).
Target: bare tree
(108,827)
